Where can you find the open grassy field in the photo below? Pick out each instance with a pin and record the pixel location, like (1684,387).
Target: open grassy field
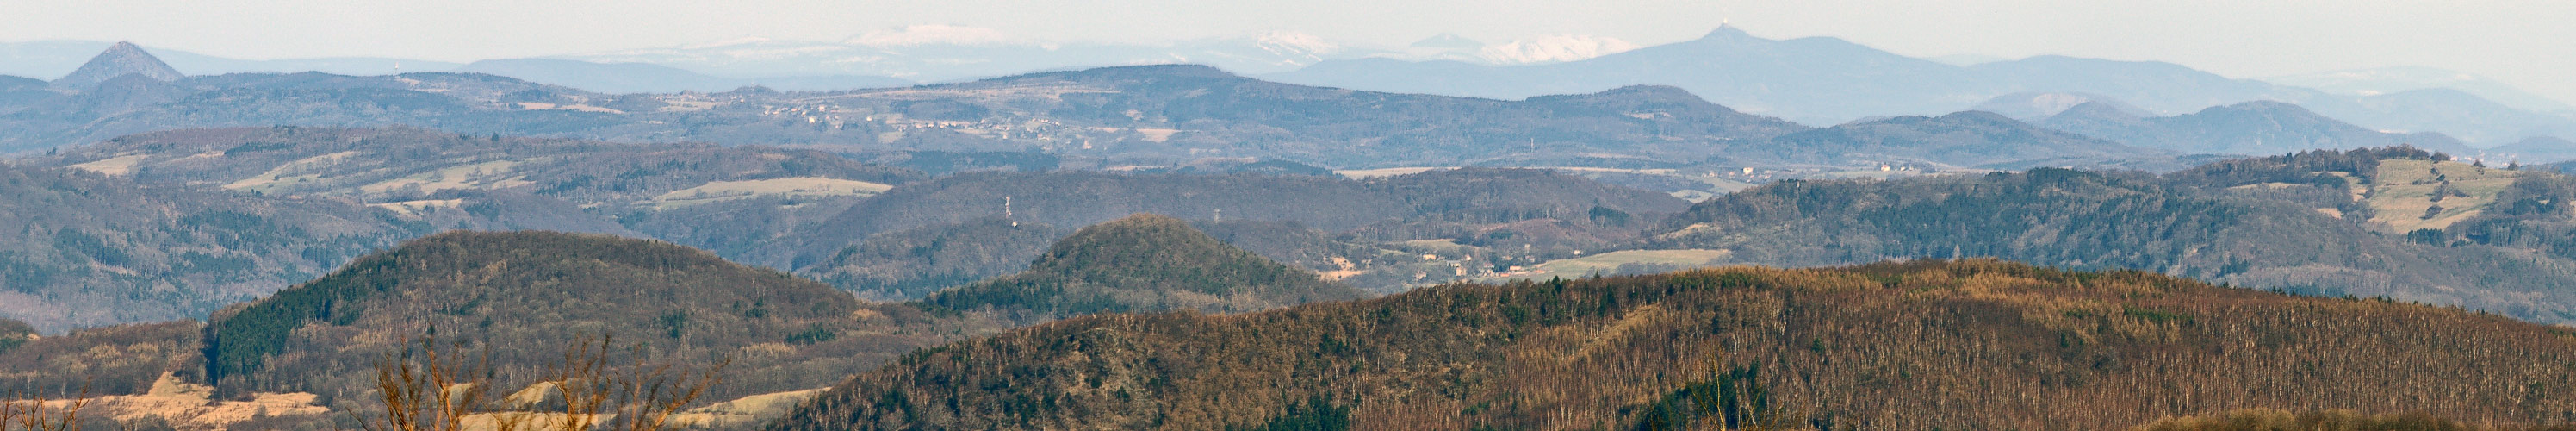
(478,175)
(1609,263)
(2404,195)
(119,165)
(1388,172)
(797,186)
(291,172)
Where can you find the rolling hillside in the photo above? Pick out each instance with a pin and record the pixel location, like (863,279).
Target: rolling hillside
(1163,112)
(728,199)
(2300,223)
(1462,204)
(1149,116)
(518,290)
(1976,140)
(1142,114)
(1143,263)
(88,249)
(2250,128)
(1951,345)
(912,263)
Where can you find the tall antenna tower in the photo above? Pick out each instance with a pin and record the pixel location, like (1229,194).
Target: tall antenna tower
(1006,211)
(1220,215)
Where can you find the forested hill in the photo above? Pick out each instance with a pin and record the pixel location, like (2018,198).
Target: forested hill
(1951,345)
(1163,113)
(728,199)
(910,264)
(813,212)
(525,294)
(2280,230)
(1144,263)
(1403,207)
(1156,116)
(85,249)
(1161,110)
(2262,127)
(14,332)
(404,163)
(1969,139)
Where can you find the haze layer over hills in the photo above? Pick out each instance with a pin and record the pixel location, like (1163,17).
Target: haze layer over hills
(1815,80)
(812,210)
(1823,80)
(2097,244)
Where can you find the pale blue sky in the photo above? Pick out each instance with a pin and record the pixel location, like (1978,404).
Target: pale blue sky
(2522,42)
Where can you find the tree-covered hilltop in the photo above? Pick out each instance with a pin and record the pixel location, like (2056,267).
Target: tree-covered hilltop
(1947,344)
(1144,262)
(107,360)
(911,263)
(1971,139)
(516,292)
(2279,231)
(2251,128)
(14,333)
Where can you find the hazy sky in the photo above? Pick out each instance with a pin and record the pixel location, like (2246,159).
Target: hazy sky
(2528,43)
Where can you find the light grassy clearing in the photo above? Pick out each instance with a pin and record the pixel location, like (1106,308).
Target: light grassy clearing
(1388,172)
(740,412)
(2268,186)
(720,191)
(1884,173)
(1717,184)
(535,106)
(190,406)
(484,175)
(757,408)
(1157,135)
(1031,91)
(2404,200)
(119,165)
(415,207)
(290,172)
(1609,263)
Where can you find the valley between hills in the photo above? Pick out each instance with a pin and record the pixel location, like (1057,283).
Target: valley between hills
(1182,247)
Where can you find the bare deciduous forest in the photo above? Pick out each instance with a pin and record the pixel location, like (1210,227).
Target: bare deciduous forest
(1956,345)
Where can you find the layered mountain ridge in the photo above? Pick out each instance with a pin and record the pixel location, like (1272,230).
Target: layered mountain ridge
(1822,80)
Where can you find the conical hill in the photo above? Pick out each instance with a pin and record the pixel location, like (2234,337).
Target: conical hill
(1145,262)
(117,61)
(527,295)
